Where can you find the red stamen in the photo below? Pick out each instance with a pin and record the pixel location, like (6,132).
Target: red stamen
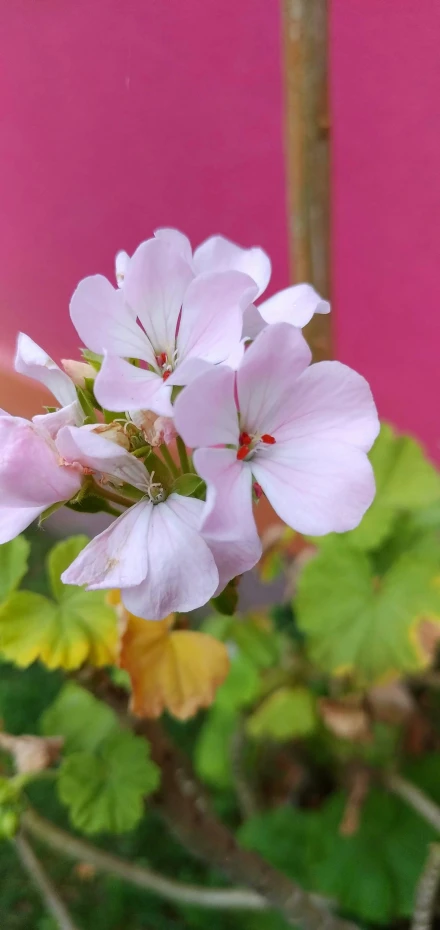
(244,439)
(166,375)
(270,440)
(243,452)
(161,359)
(258,490)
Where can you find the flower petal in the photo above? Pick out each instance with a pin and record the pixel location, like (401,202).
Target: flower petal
(267,375)
(220,254)
(178,242)
(122,386)
(228,526)
(316,486)
(107,458)
(189,369)
(154,286)
(34,362)
(118,557)
(212,315)
(72,415)
(205,413)
(253,322)
(122,262)
(331,401)
(13,520)
(105,322)
(181,573)
(295,305)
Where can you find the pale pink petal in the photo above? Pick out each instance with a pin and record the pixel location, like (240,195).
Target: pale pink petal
(122,262)
(316,486)
(32,476)
(228,526)
(295,305)
(72,415)
(212,315)
(122,386)
(34,362)
(154,286)
(189,369)
(118,557)
(220,254)
(181,571)
(93,451)
(105,322)
(205,413)
(331,401)
(178,242)
(267,376)
(253,322)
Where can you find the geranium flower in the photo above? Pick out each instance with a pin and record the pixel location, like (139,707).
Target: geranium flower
(34,362)
(164,316)
(33,476)
(299,433)
(154,551)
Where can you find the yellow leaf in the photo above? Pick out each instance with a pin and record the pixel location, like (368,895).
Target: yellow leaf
(174,670)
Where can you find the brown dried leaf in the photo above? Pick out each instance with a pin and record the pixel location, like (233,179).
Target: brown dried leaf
(32,753)
(346,719)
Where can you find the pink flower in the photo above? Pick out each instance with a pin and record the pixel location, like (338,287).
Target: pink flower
(302,433)
(296,304)
(34,362)
(184,323)
(154,551)
(33,475)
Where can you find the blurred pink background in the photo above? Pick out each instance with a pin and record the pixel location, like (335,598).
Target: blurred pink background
(118,116)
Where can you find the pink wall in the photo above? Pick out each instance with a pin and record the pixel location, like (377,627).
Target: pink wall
(386,193)
(118,116)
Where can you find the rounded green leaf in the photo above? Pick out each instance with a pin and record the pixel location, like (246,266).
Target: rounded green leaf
(80,718)
(60,557)
(13,565)
(212,758)
(104,791)
(286,714)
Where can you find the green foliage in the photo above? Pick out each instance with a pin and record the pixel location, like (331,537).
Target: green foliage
(226,602)
(372,873)
(189,485)
(10,804)
(75,626)
(212,756)
(363,624)
(104,790)
(106,771)
(13,565)
(286,714)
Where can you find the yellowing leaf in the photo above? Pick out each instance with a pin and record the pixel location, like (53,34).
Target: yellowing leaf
(286,714)
(77,626)
(174,670)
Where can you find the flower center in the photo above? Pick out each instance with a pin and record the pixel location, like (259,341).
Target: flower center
(247,444)
(155,491)
(164,365)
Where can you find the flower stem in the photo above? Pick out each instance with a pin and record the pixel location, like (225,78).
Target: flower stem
(416,798)
(109,495)
(183,455)
(42,882)
(168,458)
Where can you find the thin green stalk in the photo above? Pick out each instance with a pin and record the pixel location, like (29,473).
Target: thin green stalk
(168,458)
(183,456)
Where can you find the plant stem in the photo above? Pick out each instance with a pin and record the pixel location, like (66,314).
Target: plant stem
(183,455)
(113,496)
(427,891)
(168,458)
(415,798)
(179,892)
(42,882)
(183,805)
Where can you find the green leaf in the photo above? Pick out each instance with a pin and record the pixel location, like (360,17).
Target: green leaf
(189,485)
(13,565)
(104,791)
(92,357)
(212,757)
(367,626)
(60,557)
(78,716)
(286,714)
(226,602)
(82,627)
(241,687)
(371,874)
(405,481)
(87,403)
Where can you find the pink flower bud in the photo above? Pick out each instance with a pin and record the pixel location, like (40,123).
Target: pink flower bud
(157,430)
(78,371)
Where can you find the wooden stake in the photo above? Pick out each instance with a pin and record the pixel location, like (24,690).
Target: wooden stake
(305,26)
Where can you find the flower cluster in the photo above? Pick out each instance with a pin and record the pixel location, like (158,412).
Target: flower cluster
(179,356)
